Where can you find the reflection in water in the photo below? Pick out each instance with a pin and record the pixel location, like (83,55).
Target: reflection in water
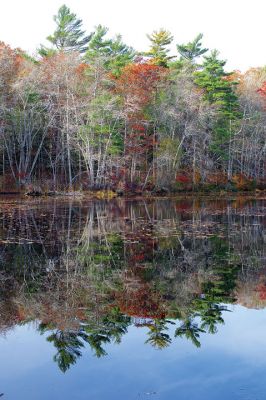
(84,272)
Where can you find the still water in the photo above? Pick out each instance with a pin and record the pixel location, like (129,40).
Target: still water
(159,299)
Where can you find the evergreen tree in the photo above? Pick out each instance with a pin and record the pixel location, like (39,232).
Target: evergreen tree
(120,56)
(113,52)
(68,35)
(99,45)
(219,91)
(192,50)
(158,52)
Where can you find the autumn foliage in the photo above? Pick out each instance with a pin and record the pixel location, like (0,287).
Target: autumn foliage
(262,92)
(69,122)
(137,84)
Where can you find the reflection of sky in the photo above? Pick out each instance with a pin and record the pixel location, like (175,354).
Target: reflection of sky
(229,365)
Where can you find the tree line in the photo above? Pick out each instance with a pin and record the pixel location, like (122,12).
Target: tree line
(90,112)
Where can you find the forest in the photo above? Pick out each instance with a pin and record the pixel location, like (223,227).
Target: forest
(89,112)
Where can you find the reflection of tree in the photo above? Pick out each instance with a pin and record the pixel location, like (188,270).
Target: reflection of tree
(211,316)
(157,337)
(116,324)
(226,272)
(217,289)
(69,343)
(87,272)
(110,329)
(96,339)
(190,330)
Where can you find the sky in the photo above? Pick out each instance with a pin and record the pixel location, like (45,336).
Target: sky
(236,28)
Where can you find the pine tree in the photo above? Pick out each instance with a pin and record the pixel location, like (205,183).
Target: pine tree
(113,52)
(99,46)
(158,52)
(68,35)
(120,55)
(219,90)
(192,50)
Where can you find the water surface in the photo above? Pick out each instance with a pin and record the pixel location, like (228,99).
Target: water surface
(126,299)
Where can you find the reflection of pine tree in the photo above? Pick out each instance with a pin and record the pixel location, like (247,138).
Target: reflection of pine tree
(158,338)
(110,329)
(116,324)
(68,345)
(211,316)
(218,290)
(190,330)
(222,287)
(96,338)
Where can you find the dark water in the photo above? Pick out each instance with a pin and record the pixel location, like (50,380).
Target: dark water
(162,299)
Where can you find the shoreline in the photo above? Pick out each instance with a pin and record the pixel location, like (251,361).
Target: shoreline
(108,195)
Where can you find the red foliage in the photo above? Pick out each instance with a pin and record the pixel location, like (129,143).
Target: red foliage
(182,178)
(139,140)
(137,85)
(262,92)
(138,127)
(262,291)
(139,257)
(183,206)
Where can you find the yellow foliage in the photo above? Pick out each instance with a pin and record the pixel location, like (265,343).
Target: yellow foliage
(105,194)
(197,177)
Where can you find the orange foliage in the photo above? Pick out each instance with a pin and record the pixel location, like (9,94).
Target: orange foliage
(217,178)
(21,313)
(11,62)
(81,68)
(235,76)
(197,177)
(137,83)
(241,181)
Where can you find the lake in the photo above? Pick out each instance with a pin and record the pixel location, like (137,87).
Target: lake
(133,299)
